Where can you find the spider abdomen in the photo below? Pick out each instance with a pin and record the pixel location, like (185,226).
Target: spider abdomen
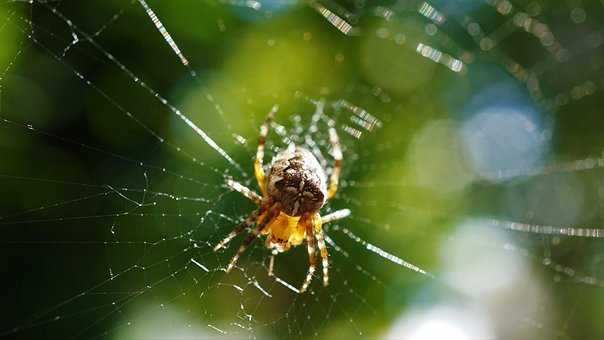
(297,181)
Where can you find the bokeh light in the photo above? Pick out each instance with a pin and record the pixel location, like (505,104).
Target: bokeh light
(436,156)
(499,141)
(441,322)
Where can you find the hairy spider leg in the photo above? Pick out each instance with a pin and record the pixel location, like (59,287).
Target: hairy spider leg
(249,221)
(310,241)
(245,191)
(322,248)
(337,156)
(263,221)
(258,170)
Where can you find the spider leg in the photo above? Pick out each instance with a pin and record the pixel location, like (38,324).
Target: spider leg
(274,211)
(239,228)
(334,179)
(245,191)
(258,170)
(322,249)
(336,215)
(310,241)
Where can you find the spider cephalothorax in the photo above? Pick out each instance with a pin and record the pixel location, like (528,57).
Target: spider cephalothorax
(292,194)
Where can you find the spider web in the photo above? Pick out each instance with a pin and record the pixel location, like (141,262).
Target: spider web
(472,167)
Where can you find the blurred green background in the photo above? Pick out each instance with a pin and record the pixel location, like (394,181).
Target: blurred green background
(489,112)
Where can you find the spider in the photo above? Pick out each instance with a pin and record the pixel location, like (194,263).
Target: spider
(293,192)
